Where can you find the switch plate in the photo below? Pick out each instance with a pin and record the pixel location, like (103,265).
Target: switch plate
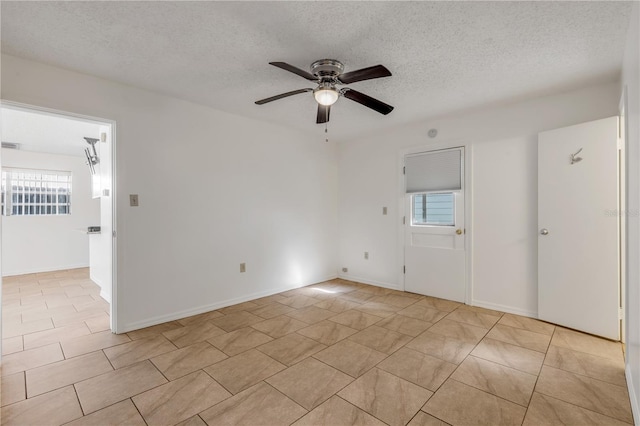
(384,210)
(366,255)
(133,200)
(243,267)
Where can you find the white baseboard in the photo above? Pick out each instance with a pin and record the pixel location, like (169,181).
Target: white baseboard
(504,308)
(368,281)
(105,296)
(633,396)
(212,307)
(38,270)
(94,279)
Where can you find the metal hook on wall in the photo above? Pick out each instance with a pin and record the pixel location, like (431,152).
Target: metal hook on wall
(575,158)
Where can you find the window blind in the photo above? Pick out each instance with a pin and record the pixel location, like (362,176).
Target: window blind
(434,171)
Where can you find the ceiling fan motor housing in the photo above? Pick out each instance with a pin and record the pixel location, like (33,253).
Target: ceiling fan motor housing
(327,69)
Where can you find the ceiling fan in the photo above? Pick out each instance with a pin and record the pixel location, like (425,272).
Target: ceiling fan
(328,73)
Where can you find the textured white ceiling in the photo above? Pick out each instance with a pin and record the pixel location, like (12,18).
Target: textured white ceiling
(46,133)
(444,56)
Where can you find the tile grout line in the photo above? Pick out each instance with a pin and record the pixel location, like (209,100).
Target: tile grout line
(136,407)
(364,411)
(338,297)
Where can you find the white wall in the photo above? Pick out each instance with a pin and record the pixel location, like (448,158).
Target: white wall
(503,230)
(215,190)
(631,80)
(49,243)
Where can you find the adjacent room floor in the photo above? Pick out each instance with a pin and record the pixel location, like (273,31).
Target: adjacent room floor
(335,353)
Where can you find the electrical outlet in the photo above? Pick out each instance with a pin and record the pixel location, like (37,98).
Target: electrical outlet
(366,255)
(384,211)
(345,269)
(243,267)
(133,200)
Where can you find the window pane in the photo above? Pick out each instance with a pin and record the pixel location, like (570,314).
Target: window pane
(434,209)
(36,192)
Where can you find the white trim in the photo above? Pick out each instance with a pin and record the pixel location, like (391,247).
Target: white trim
(19,106)
(105,296)
(623,207)
(635,409)
(103,293)
(212,307)
(468,203)
(370,282)
(45,269)
(114,229)
(504,308)
(468,219)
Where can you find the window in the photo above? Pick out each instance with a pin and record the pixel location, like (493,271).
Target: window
(27,192)
(433,182)
(434,209)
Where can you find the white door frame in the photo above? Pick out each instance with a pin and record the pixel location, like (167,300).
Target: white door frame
(100,121)
(468,208)
(623,208)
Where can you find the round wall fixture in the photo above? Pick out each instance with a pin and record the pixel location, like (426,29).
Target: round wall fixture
(433,133)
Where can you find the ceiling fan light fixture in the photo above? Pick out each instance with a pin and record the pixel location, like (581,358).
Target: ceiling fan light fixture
(326,95)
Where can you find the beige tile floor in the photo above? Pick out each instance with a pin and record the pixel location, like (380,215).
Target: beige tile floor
(335,353)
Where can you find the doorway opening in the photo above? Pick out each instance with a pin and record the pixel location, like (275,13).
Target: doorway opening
(58,219)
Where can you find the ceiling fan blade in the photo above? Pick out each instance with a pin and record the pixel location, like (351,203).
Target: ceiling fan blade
(323,114)
(295,70)
(375,71)
(367,101)
(282,95)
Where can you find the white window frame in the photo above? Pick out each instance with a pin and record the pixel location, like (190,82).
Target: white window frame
(45,182)
(456,196)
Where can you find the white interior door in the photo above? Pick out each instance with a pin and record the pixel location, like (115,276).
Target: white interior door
(434,224)
(578,269)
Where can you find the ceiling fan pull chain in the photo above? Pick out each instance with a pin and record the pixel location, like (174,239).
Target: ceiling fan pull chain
(326,131)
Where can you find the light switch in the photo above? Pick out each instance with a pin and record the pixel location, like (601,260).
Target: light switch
(384,210)
(133,200)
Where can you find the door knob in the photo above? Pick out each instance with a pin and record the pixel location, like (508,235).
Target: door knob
(544,231)
(459,231)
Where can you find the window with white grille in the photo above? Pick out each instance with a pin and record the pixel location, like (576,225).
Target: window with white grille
(27,192)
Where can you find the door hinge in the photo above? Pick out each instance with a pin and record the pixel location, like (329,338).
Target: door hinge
(404,170)
(404,269)
(404,220)
(113,234)
(620,313)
